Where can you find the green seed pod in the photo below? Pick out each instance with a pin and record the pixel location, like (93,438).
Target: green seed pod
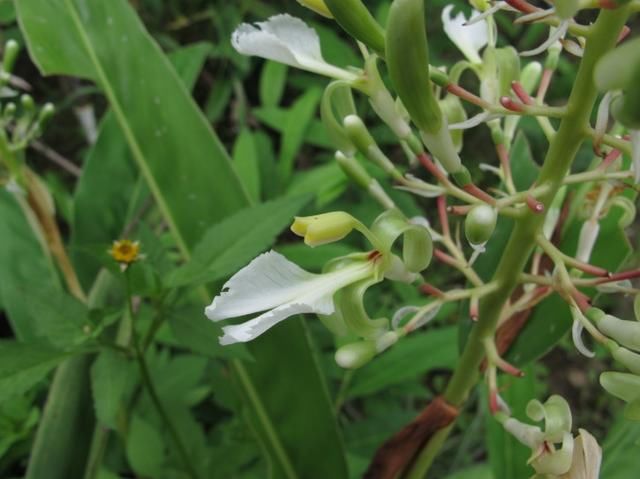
(408,63)
(480,224)
(358,22)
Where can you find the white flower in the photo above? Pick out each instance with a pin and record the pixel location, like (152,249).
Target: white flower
(587,458)
(280,288)
(288,40)
(469,39)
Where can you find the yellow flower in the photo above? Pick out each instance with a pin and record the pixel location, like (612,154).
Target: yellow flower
(125,251)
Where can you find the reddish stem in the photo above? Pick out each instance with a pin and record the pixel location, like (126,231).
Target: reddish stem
(581,299)
(459,210)
(624,33)
(524,97)
(466,95)
(510,104)
(545,81)
(505,161)
(522,5)
(444,257)
(431,290)
(442,213)
(478,193)
(534,205)
(610,158)
(431,167)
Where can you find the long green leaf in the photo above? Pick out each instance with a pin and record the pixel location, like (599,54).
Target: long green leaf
(194,185)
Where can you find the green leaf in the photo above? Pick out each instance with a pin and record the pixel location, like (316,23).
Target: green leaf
(171,141)
(194,185)
(24,365)
(296,124)
(434,348)
(22,260)
(111,379)
(621,449)
(272,83)
(145,449)
(235,241)
(245,157)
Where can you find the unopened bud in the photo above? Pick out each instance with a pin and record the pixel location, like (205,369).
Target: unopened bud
(408,63)
(11,50)
(480,224)
(355,355)
(354,170)
(46,113)
(317,6)
(360,136)
(28,105)
(627,358)
(626,333)
(553,56)
(624,386)
(530,76)
(357,21)
(455,113)
(324,228)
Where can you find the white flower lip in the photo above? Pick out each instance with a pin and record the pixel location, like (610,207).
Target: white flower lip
(469,39)
(280,288)
(286,39)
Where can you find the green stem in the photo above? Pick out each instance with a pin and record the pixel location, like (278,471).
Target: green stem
(148,384)
(560,156)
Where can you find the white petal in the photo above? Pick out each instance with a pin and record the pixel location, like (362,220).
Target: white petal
(554,35)
(241,333)
(287,40)
(576,335)
(470,39)
(274,284)
(587,457)
(268,281)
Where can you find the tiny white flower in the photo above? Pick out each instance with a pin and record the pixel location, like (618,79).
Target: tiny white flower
(288,40)
(280,288)
(469,39)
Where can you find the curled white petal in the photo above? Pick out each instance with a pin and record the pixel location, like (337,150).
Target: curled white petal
(588,236)
(490,11)
(576,335)
(470,37)
(288,40)
(537,15)
(555,35)
(602,118)
(273,284)
(474,121)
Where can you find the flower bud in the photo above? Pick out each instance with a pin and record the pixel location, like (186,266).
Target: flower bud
(627,358)
(530,76)
(624,386)
(317,6)
(337,103)
(480,224)
(325,228)
(364,142)
(408,63)
(626,333)
(358,22)
(354,170)
(455,113)
(11,50)
(355,355)
(553,56)
(508,63)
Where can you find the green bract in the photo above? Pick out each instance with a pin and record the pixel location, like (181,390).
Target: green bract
(357,21)
(408,63)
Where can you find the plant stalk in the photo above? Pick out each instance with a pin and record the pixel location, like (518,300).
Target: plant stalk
(560,156)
